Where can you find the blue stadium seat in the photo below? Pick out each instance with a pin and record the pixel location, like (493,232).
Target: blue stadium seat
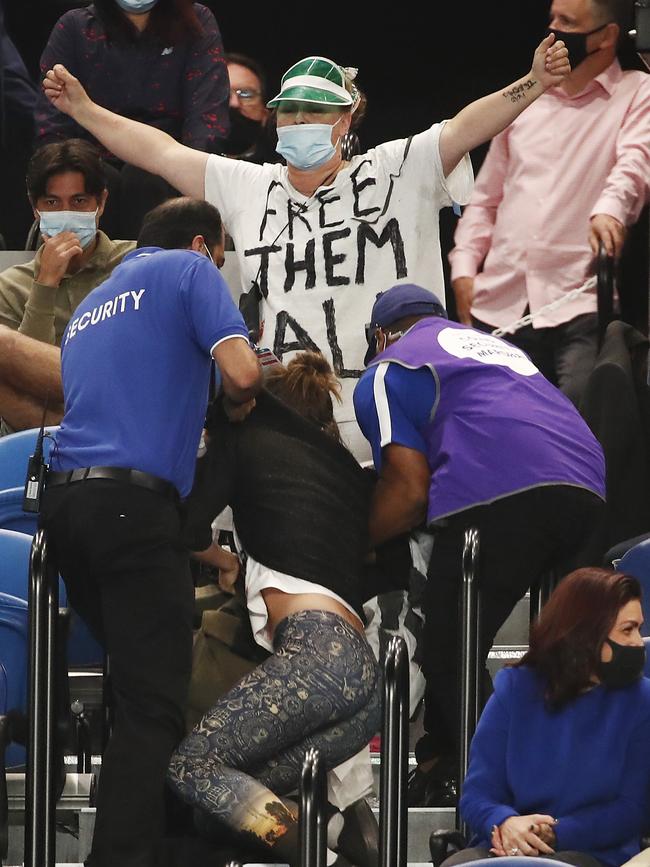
(14,563)
(15,450)
(14,649)
(12,516)
(524,861)
(83,650)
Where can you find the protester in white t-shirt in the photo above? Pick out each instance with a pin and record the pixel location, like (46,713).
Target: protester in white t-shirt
(320,237)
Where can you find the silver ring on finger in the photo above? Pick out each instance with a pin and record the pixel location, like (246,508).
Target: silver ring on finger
(514,850)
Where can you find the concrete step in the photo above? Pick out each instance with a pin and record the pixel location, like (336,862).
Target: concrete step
(421,821)
(75,823)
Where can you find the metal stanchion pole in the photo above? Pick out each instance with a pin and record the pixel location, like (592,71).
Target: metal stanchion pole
(393,808)
(604,291)
(535,595)
(539,594)
(82,732)
(469,655)
(313,797)
(40,801)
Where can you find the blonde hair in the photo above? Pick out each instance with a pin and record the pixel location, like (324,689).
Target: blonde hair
(307,384)
(359,106)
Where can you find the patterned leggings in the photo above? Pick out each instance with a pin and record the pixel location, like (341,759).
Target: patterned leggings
(318,689)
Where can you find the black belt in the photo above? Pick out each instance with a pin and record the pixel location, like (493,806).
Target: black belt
(115,474)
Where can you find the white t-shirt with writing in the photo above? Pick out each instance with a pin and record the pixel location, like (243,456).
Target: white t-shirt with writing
(320,261)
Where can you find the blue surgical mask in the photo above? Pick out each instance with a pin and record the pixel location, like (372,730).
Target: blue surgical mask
(136,7)
(82,223)
(306,145)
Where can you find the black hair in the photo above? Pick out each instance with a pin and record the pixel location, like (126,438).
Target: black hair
(72,155)
(248,63)
(616,11)
(170,21)
(175,223)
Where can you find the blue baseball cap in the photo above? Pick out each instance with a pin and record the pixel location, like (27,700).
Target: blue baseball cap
(405,299)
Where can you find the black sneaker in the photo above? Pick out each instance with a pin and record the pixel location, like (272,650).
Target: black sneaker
(442,793)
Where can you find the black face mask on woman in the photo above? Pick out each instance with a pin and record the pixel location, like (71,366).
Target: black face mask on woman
(625,667)
(576,43)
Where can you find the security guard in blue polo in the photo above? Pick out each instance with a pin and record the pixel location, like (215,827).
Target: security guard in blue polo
(136,360)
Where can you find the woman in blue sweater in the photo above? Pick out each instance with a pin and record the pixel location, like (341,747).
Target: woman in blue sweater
(560,762)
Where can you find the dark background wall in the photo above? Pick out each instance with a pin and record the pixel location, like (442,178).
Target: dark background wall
(413,72)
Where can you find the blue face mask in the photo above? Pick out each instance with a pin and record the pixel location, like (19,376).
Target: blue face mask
(82,223)
(306,145)
(136,7)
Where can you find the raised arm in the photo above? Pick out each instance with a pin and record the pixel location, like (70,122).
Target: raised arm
(136,143)
(481,120)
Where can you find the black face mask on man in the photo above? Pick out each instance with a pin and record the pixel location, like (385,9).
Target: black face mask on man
(625,667)
(244,134)
(576,43)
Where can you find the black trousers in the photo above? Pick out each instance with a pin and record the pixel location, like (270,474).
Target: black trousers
(118,549)
(521,538)
(565,354)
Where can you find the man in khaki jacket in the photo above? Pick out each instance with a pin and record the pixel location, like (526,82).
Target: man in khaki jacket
(67,190)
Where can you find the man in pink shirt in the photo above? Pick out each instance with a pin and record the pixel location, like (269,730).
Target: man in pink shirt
(569,174)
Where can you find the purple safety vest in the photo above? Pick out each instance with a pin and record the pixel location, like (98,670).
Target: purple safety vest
(498,426)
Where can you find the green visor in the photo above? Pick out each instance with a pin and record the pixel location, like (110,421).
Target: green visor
(314,80)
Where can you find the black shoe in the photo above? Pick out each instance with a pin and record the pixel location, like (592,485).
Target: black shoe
(442,793)
(437,787)
(359,838)
(418,781)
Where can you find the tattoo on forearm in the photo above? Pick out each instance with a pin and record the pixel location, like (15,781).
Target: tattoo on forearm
(514,94)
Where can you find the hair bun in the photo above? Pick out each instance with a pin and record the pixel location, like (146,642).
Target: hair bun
(311,361)
(307,384)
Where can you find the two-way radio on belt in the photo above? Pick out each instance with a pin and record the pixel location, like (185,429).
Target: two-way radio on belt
(36,471)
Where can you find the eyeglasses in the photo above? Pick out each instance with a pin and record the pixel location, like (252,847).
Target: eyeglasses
(246,94)
(371,332)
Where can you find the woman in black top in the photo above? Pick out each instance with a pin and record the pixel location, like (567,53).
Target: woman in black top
(300,504)
(157,61)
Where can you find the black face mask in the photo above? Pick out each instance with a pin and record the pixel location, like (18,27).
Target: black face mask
(625,667)
(244,134)
(576,44)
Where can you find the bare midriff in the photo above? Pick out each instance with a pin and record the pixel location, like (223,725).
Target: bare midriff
(280,605)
